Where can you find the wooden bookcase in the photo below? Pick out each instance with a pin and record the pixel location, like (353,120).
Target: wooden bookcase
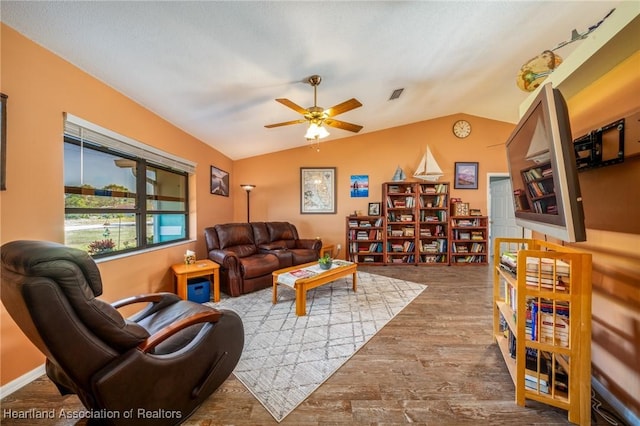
(542,322)
(365,239)
(399,210)
(469,240)
(416,221)
(433,223)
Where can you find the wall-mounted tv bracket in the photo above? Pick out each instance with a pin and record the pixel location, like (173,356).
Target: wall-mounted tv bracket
(588,148)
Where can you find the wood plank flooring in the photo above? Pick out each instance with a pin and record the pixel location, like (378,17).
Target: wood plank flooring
(434,364)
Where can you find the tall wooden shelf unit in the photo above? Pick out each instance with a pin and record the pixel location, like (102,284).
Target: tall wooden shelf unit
(417,229)
(365,239)
(542,322)
(469,240)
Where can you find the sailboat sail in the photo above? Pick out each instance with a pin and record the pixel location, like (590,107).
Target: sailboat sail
(428,168)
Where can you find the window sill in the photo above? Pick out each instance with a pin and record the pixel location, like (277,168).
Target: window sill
(137,252)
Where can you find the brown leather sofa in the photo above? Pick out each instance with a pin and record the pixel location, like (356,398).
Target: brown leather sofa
(249,252)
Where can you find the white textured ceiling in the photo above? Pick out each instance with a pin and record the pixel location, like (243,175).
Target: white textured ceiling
(214,68)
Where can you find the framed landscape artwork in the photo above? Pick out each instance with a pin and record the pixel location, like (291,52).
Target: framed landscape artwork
(219,182)
(317,190)
(466,176)
(359,186)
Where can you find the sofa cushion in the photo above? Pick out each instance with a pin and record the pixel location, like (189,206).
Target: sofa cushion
(259,264)
(281,231)
(237,236)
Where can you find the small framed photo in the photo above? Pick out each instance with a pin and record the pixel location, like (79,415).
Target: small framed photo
(374,209)
(466,176)
(219,182)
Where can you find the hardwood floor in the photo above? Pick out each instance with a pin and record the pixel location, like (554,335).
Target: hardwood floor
(434,364)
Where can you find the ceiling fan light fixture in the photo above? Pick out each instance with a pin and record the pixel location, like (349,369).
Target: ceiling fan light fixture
(316,131)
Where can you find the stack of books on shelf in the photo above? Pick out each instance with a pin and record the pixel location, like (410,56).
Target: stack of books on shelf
(551,274)
(550,322)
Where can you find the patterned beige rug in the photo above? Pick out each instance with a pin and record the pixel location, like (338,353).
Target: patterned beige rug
(287,357)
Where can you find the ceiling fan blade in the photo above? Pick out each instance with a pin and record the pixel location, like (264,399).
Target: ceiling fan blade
(293,106)
(343,125)
(345,106)
(286,123)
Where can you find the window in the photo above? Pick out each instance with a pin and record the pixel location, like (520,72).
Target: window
(121,195)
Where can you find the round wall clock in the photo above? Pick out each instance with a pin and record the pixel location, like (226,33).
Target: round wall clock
(462,128)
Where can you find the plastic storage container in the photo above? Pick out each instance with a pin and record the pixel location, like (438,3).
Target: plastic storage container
(198,290)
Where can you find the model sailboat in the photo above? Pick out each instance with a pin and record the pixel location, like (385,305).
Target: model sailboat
(428,168)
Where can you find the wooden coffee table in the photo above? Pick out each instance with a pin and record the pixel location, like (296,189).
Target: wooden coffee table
(301,285)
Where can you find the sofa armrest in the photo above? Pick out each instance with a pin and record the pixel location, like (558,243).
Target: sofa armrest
(271,246)
(225,258)
(309,243)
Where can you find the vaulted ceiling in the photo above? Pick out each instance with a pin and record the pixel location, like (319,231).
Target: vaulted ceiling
(215,68)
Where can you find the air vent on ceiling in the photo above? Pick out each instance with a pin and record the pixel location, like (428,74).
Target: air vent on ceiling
(396,94)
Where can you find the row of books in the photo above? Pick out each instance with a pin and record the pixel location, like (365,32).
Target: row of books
(373,234)
(401,203)
(432,231)
(434,246)
(402,217)
(438,188)
(354,223)
(360,247)
(407,246)
(437,201)
(550,322)
(470,259)
(459,234)
(441,258)
(537,173)
(433,216)
(540,188)
(466,248)
(540,374)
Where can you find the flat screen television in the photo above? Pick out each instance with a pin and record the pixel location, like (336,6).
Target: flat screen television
(543,170)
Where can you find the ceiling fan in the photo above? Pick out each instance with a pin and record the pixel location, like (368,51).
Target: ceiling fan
(317,116)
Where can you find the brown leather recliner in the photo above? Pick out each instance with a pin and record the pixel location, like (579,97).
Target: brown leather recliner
(160,363)
(248,253)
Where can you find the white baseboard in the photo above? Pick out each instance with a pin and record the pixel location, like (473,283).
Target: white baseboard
(21,381)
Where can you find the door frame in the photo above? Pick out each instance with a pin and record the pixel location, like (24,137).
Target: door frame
(526,233)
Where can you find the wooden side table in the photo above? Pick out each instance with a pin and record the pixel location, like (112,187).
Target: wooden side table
(202,268)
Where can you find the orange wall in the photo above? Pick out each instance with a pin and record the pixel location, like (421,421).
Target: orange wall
(376,154)
(616,260)
(41,86)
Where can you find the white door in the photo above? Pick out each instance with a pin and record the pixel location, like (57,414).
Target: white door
(502,220)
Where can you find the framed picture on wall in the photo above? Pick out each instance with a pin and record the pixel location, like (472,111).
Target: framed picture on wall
(359,186)
(466,176)
(317,190)
(219,182)
(374,209)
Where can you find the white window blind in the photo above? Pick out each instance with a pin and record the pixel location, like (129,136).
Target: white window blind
(85,130)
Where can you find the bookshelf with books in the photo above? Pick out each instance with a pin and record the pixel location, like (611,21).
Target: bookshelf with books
(540,196)
(400,204)
(542,322)
(469,240)
(365,242)
(433,223)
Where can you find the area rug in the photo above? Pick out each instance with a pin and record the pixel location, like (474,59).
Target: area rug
(287,357)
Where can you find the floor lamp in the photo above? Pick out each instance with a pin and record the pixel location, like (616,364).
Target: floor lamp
(248,188)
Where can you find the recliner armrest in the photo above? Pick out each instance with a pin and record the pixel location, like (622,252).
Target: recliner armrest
(162,335)
(156,301)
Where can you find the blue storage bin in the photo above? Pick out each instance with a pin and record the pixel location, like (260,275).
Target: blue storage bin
(198,290)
